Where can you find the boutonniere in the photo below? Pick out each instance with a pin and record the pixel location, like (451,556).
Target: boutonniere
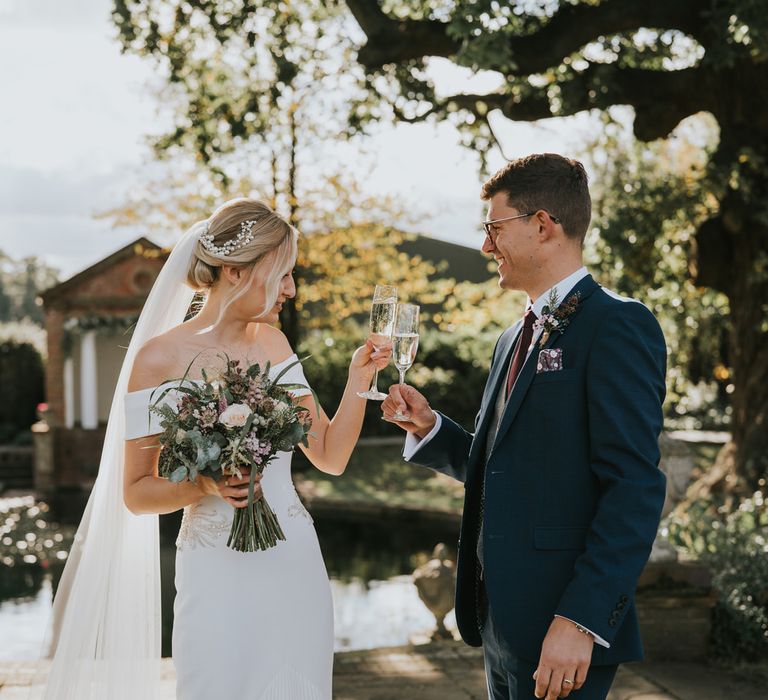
(555,316)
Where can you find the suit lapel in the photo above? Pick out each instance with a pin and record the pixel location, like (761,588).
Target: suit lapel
(585,287)
(497,376)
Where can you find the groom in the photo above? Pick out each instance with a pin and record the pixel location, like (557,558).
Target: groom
(563,490)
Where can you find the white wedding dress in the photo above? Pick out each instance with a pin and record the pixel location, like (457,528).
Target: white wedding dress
(248,625)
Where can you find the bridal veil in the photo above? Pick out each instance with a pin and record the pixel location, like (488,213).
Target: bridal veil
(106,633)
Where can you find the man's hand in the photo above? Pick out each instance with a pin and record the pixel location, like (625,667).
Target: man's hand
(410,403)
(565,656)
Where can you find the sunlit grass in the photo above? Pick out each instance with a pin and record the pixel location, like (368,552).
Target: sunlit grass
(378,475)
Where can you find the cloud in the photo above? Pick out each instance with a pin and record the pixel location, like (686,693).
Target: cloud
(29,191)
(53,13)
(68,243)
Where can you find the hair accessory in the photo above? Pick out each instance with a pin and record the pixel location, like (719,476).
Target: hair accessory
(242,239)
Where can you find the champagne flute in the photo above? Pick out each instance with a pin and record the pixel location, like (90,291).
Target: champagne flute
(382,324)
(405,343)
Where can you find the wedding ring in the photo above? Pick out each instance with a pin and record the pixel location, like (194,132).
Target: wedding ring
(565,680)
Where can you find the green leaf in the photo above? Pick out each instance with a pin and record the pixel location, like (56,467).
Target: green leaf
(178,475)
(276,380)
(218,438)
(296,433)
(293,387)
(207,452)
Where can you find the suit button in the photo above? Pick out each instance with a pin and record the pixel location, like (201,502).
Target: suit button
(624,599)
(613,622)
(621,606)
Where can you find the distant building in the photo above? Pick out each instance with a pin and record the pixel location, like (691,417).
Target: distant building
(88,321)
(461,263)
(88,318)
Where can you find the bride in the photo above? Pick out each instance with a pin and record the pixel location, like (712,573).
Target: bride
(253,625)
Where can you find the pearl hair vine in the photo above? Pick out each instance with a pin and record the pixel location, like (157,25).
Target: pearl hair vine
(243,238)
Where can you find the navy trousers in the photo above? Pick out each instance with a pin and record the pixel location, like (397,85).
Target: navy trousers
(511,678)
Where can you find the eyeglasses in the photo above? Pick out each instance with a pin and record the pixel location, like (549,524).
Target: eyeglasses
(487,224)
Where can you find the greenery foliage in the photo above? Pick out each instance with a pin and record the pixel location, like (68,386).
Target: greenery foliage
(24,333)
(105,324)
(256,75)
(649,200)
(21,281)
(21,368)
(377,476)
(734,543)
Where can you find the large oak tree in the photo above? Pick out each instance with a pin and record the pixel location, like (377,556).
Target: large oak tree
(666,59)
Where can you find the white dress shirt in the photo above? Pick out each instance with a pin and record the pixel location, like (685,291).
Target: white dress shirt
(413,444)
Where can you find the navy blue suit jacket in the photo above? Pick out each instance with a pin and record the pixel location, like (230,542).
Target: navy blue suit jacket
(573,492)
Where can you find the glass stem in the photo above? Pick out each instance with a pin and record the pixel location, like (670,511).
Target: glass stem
(375,382)
(402,376)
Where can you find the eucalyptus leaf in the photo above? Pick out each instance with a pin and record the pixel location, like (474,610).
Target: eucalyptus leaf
(218,438)
(206,452)
(178,475)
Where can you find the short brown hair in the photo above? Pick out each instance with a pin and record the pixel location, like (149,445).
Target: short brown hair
(546,181)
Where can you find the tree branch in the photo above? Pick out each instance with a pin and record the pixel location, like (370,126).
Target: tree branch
(571,27)
(397,41)
(661,98)
(574,26)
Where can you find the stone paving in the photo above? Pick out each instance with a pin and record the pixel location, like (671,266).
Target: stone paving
(452,671)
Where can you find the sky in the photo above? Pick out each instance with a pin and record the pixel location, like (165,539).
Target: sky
(77,113)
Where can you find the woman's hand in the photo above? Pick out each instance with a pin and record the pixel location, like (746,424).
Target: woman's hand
(366,360)
(233,490)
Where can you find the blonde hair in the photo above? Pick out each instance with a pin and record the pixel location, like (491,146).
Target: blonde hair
(273,243)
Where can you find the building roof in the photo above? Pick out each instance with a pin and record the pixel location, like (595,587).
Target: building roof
(461,262)
(98,268)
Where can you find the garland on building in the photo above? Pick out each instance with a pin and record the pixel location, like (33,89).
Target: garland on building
(102,325)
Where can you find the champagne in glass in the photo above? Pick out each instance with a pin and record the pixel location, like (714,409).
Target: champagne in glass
(382,324)
(405,342)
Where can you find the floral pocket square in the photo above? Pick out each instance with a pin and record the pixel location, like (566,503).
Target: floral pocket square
(550,360)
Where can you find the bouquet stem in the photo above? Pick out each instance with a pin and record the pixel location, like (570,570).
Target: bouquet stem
(255,527)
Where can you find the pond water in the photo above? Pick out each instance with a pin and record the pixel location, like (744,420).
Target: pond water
(369,562)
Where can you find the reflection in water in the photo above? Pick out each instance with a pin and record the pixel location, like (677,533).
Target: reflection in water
(380,614)
(369,562)
(23,624)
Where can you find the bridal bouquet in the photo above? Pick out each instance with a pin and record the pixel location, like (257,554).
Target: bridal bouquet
(240,418)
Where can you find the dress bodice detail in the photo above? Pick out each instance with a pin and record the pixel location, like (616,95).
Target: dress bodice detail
(201,526)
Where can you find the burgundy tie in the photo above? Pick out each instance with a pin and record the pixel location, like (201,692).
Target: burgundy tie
(521,350)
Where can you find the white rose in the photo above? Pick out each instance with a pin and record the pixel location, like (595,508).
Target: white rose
(235,415)
(281,408)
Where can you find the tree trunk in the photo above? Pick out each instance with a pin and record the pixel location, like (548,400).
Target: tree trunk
(732,256)
(749,352)
(289,316)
